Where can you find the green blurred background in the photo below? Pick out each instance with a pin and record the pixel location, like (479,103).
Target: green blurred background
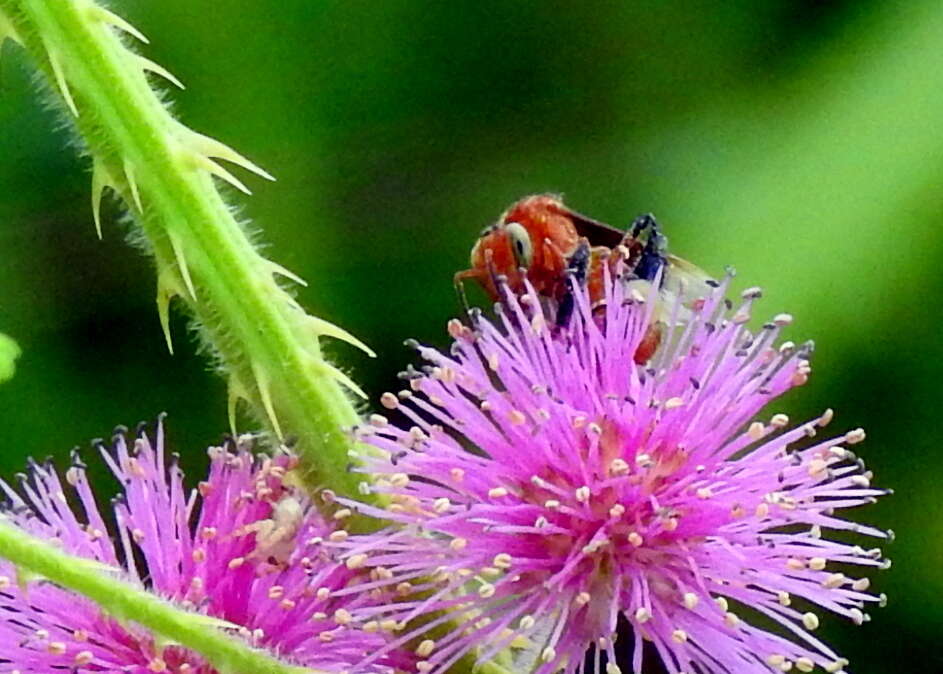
(799,141)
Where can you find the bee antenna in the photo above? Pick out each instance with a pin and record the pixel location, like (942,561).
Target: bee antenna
(459,284)
(644,222)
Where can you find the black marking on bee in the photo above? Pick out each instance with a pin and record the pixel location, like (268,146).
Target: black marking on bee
(576,270)
(652,258)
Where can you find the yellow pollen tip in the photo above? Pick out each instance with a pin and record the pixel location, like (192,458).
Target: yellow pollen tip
(356,561)
(486,591)
(804,664)
(810,621)
(502,560)
(756,431)
(834,580)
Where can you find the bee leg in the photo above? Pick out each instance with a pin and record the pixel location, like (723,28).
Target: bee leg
(633,243)
(578,264)
(649,344)
(576,271)
(565,309)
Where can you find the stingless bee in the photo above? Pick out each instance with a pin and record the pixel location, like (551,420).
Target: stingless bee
(542,240)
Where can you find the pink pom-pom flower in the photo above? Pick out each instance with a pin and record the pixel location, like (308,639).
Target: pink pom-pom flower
(549,489)
(244,547)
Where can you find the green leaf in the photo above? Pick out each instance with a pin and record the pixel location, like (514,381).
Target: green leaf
(9,352)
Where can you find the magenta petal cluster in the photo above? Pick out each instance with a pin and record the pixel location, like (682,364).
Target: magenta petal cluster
(244,547)
(550,488)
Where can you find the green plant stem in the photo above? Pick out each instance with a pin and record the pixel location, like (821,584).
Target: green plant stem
(265,344)
(124,602)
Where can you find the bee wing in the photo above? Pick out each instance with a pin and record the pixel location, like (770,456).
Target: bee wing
(686,281)
(597,233)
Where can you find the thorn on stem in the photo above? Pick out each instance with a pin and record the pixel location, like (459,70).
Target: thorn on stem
(325,368)
(112,19)
(61,83)
(100,180)
(276,268)
(164,295)
(323,328)
(133,186)
(207,164)
(177,247)
(210,147)
(149,66)
(262,383)
(235,391)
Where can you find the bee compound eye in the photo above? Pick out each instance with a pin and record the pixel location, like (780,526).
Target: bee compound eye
(520,244)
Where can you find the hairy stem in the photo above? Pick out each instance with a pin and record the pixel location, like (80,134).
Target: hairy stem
(124,602)
(266,345)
